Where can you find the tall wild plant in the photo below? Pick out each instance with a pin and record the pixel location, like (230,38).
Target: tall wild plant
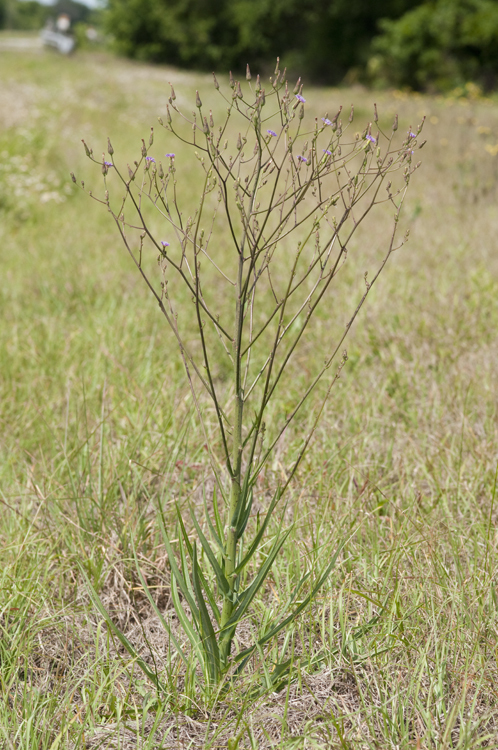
(279,200)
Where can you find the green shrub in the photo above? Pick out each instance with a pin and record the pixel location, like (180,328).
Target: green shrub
(439,45)
(315,36)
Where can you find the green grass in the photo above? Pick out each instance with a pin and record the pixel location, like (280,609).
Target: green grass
(96,423)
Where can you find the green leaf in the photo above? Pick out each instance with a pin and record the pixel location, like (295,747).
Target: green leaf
(255,544)
(205,585)
(217,517)
(209,642)
(194,638)
(156,609)
(121,636)
(186,590)
(241,525)
(220,576)
(217,536)
(248,595)
(275,630)
(184,531)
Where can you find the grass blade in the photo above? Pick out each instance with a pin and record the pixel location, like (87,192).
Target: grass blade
(209,642)
(121,636)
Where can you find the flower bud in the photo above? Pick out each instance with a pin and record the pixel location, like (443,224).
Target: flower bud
(211,121)
(351,114)
(248,73)
(160,171)
(73,177)
(239,143)
(301,112)
(173,95)
(258,84)
(144,148)
(198,102)
(277,65)
(232,82)
(131,173)
(376,116)
(110,149)
(88,151)
(395,123)
(151,137)
(239,91)
(216,84)
(297,86)
(168,115)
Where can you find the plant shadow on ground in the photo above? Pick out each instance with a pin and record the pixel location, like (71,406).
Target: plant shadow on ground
(97,424)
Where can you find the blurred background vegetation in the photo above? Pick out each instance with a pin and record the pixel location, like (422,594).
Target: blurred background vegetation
(429,45)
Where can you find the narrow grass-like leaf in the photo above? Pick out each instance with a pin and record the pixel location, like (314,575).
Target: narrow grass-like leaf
(217,517)
(283,623)
(176,572)
(209,642)
(187,541)
(156,609)
(254,546)
(220,576)
(214,533)
(207,588)
(190,632)
(121,636)
(242,523)
(249,594)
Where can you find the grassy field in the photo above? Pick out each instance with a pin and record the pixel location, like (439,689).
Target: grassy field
(400,648)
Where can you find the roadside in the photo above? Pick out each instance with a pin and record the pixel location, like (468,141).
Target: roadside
(21,41)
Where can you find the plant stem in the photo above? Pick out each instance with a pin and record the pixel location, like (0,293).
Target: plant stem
(235,492)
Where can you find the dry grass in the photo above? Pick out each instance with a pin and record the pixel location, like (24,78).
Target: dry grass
(400,649)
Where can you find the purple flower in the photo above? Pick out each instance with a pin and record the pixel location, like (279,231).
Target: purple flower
(272,132)
(300,98)
(150,159)
(370,138)
(326,151)
(326,121)
(302,158)
(411,135)
(108,164)
(171,156)
(164,243)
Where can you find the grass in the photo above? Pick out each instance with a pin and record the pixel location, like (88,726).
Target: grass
(96,423)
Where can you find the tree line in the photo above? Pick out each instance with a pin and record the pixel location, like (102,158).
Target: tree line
(419,44)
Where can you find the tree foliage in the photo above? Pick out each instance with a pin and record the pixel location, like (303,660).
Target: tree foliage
(439,45)
(318,37)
